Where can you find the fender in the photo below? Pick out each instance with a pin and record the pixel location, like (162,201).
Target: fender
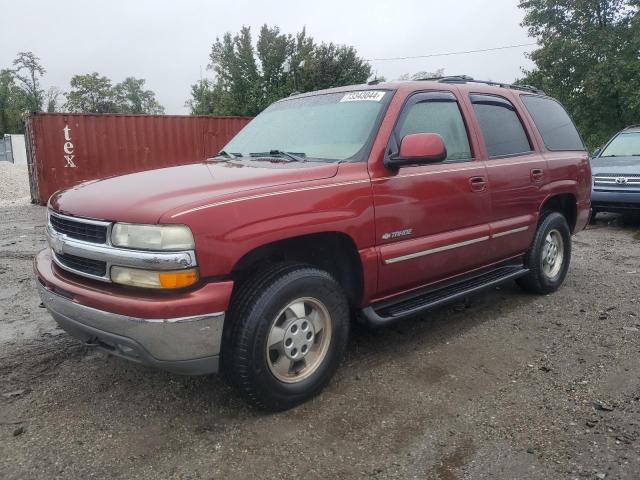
(558,187)
(228,231)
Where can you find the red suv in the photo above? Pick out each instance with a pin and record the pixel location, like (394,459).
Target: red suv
(376,201)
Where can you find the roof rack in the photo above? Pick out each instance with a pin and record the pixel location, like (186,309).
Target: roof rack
(468,79)
(629,127)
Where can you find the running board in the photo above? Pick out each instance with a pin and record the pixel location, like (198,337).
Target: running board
(389,311)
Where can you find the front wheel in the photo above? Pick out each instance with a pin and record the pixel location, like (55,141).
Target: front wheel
(549,256)
(288,333)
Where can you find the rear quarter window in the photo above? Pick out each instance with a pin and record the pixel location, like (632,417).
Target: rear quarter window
(553,122)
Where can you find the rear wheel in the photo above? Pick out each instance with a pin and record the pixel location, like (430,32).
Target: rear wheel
(549,256)
(289,327)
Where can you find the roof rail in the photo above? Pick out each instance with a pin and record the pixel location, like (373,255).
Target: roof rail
(631,126)
(468,79)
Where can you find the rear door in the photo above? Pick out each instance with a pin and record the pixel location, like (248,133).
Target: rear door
(516,173)
(431,220)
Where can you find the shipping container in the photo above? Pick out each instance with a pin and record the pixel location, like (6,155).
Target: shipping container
(64,149)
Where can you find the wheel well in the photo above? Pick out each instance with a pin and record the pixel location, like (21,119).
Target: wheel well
(565,204)
(333,252)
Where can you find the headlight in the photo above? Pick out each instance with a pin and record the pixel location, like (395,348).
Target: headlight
(153,279)
(152,237)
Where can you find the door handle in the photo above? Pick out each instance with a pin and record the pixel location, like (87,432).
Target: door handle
(537,175)
(478,184)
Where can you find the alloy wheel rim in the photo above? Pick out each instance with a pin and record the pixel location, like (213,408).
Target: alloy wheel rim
(298,340)
(552,254)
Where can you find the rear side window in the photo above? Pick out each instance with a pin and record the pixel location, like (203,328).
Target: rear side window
(501,127)
(442,117)
(553,123)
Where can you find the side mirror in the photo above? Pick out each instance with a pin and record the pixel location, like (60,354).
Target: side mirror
(418,149)
(596,152)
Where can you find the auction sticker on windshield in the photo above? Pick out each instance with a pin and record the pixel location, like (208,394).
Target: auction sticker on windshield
(363,96)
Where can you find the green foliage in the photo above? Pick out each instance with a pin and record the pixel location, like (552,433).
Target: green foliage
(91,93)
(203,98)
(422,75)
(28,72)
(131,97)
(247,79)
(13,104)
(588,59)
(94,93)
(53,99)
(20,92)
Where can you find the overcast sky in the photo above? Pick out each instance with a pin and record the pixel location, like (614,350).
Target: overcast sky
(168,43)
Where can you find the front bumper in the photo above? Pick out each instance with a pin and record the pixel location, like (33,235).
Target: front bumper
(610,201)
(188,345)
(182,344)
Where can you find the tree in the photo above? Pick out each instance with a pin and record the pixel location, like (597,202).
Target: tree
(20,92)
(28,72)
(331,65)
(91,93)
(53,99)
(422,75)
(588,59)
(247,78)
(233,61)
(273,51)
(13,104)
(131,97)
(203,98)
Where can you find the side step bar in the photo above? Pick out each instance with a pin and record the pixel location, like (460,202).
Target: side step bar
(389,311)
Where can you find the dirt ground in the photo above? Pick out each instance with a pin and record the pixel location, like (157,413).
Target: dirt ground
(506,386)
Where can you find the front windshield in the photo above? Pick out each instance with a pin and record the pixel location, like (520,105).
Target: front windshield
(328,127)
(624,145)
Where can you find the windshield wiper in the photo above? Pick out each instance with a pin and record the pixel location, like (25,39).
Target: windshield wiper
(224,154)
(295,157)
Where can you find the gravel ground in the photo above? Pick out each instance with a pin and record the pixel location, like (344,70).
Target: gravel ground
(14,185)
(507,386)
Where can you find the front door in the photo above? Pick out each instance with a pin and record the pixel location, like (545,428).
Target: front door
(431,220)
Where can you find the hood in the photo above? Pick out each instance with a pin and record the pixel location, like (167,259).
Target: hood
(617,165)
(145,196)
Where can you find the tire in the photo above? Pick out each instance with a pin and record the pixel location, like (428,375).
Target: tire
(543,277)
(592,217)
(267,309)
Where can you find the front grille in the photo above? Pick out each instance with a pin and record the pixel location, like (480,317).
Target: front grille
(629,180)
(96,268)
(614,175)
(78,229)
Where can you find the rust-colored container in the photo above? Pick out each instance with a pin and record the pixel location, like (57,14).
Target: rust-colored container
(64,149)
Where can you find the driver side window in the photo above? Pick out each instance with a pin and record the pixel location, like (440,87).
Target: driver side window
(443,118)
